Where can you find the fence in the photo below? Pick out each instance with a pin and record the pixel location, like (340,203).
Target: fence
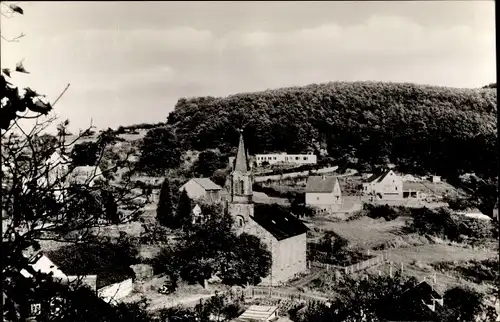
(256,292)
(354,267)
(367,263)
(253,292)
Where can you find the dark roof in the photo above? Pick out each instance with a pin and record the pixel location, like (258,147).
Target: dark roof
(422,291)
(241,162)
(412,305)
(378,176)
(278,221)
(80,261)
(207,184)
(321,183)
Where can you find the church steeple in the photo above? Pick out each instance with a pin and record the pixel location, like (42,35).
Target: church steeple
(241,177)
(241,162)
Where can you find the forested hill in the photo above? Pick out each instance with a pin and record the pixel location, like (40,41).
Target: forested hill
(422,128)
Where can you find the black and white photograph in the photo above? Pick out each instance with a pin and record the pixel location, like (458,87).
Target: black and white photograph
(249,161)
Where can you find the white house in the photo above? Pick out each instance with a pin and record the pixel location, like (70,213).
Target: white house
(386,185)
(202,188)
(86,175)
(56,168)
(435,179)
(283,157)
(324,192)
(110,287)
(196,214)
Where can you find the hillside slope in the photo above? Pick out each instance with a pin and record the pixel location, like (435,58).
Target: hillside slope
(419,128)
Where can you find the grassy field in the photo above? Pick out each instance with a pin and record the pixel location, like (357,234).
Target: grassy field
(416,253)
(417,262)
(364,232)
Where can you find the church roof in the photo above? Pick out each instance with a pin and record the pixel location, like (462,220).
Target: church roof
(320,184)
(207,184)
(241,162)
(278,221)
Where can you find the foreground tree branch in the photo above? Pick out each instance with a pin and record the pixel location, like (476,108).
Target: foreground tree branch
(45,196)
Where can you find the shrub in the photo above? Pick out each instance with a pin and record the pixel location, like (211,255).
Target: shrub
(441,223)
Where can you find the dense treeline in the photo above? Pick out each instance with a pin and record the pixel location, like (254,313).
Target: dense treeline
(424,129)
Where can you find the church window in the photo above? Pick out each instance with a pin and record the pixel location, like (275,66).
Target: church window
(241,187)
(240,222)
(236,187)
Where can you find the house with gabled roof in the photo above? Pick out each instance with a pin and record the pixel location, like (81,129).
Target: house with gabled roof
(203,188)
(324,192)
(419,303)
(86,175)
(110,282)
(282,233)
(386,185)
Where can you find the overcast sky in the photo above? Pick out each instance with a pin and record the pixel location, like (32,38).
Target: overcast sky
(129,62)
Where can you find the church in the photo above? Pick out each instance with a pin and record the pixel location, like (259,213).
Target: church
(282,232)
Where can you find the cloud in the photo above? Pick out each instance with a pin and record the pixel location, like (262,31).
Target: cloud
(115,70)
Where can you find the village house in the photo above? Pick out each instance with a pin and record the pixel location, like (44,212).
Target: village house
(196,212)
(386,185)
(283,233)
(111,286)
(420,303)
(324,193)
(274,158)
(57,172)
(87,175)
(435,179)
(55,168)
(203,188)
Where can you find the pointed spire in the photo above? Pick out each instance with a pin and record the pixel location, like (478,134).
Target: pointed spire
(241,163)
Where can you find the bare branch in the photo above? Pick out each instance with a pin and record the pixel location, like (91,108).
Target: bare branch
(15,39)
(60,95)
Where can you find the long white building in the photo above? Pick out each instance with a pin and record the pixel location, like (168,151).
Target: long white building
(274,158)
